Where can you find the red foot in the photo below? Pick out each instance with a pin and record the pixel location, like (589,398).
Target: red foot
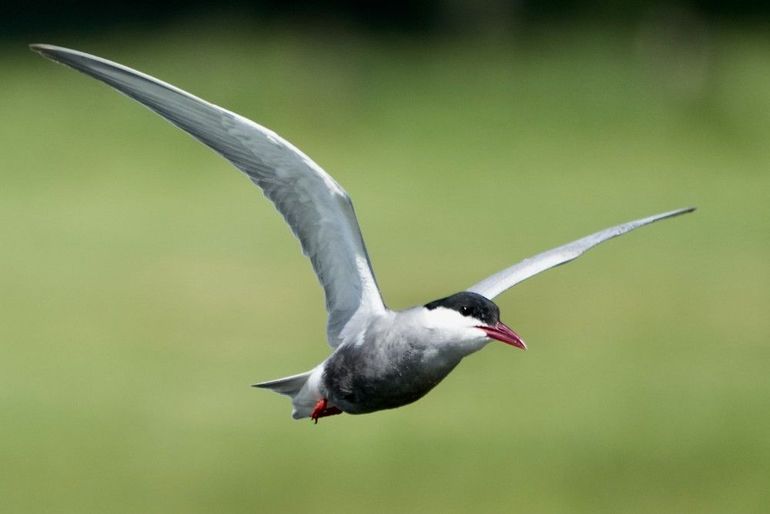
(321,410)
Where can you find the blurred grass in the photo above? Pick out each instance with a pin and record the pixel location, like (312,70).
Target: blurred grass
(145,283)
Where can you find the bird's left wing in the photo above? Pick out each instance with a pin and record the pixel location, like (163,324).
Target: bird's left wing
(316,208)
(509,277)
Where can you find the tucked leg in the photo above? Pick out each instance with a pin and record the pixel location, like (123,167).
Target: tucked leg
(322,409)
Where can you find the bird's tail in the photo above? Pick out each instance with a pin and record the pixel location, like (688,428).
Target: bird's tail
(301,388)
(290,386)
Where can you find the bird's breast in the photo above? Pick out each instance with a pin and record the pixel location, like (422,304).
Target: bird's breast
(370,377)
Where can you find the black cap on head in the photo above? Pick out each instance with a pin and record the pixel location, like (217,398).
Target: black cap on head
(469,304)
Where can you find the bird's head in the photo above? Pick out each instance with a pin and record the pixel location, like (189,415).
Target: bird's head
(468,320)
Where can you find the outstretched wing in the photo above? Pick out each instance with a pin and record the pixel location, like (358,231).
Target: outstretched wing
(509,277)
(316,208)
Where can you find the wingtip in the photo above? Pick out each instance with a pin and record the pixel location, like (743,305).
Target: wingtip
(56,53)
(46,50)
(686,210)
(678,212)
(39,47)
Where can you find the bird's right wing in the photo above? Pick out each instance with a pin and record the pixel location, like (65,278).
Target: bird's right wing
(316,208)
(509,277)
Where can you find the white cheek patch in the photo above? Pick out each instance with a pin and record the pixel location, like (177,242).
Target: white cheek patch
(441,317)
(451,334)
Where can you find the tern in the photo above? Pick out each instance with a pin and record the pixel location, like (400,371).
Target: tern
(381,358)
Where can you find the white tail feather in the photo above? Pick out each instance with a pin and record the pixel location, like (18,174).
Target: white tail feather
(290,386)
(302,388)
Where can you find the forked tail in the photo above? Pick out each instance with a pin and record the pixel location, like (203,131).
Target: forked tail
(301,388)
(290,386)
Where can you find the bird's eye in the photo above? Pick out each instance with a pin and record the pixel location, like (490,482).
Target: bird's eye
(465,310)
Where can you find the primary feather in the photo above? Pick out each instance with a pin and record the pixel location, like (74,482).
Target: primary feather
(509,277)
(318,210)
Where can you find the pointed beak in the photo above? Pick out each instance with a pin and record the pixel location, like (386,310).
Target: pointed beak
(503,333)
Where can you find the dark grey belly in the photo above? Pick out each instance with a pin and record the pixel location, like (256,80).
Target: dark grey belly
(358,383)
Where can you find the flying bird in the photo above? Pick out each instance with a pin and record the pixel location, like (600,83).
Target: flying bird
(381,358)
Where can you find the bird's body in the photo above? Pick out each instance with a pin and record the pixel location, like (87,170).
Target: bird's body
(381,358)
(394,360)
(393,365)
(399,360)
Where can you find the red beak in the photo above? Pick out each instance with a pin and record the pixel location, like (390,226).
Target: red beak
(503,333)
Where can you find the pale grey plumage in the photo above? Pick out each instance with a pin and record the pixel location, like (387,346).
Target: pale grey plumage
(495,284)
(318,210)
(382,359)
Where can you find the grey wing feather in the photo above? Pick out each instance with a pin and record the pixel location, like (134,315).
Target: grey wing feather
(499,282)
(316,208)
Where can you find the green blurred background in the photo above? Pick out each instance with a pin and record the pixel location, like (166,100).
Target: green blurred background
(145,283)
